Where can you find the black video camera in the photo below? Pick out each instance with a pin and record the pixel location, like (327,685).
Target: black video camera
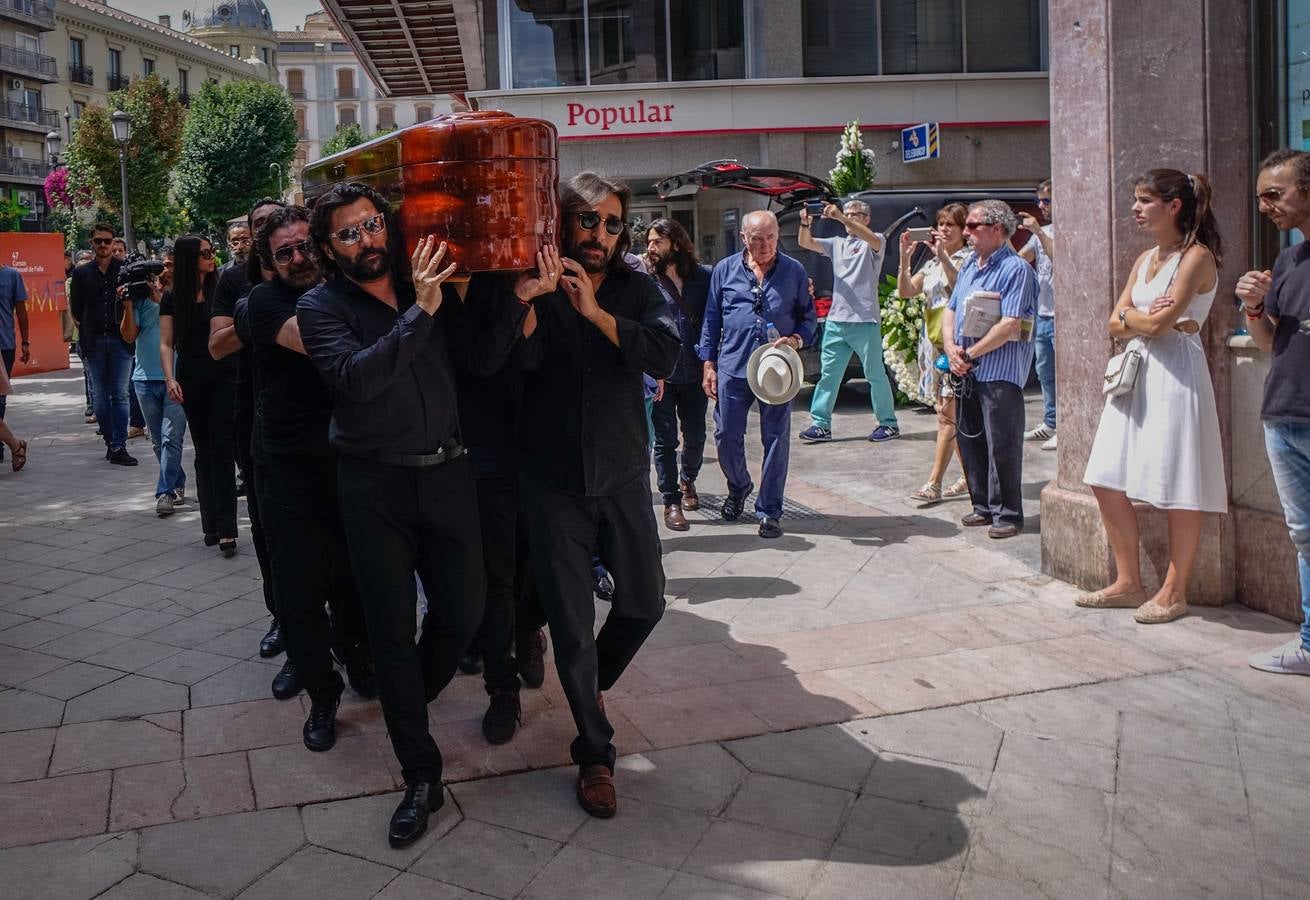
(135,275)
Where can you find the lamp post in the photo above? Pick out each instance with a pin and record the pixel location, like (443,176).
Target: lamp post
(122,125)
(275,167)
(54,142)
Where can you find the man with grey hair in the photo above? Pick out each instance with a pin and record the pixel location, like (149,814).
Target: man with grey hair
(854,323)
(990,364)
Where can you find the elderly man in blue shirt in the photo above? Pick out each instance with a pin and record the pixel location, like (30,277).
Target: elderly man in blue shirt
(993,368)
(755,296)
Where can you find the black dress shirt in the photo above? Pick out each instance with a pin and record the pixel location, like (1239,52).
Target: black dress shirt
(93,301)
(389,371)
(232,286)
(292,405)
(584,416)
(490,403)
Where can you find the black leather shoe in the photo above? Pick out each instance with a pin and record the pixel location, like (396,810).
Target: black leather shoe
(531,658)
(733,504)
(359,670)
(604,587)
(321,727)
(769,528)
(285,683)
(471,662)
(974,520)
(1003,530)
(502,717)
(271,643)
(211,540)
(410,820)
(121,457)
(229,548)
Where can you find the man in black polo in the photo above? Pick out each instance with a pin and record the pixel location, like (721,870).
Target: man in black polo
(586,462)
(382,341)
(298,480)
(93,301)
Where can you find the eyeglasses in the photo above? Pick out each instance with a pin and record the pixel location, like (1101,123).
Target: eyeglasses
(974,226)
(102,241)
(1043,201)
(207,253)
(239,242)
(352,233)
(589,221)
(1272,195)
(285,254)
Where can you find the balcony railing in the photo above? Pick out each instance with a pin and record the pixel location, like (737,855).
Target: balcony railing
(81,74)
(347,93)
(23,168)
(34,11)
(45,119)
(118,81)
(298,93)
(38,65)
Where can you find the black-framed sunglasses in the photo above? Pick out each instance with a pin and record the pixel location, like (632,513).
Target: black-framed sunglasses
(974,226)
(351,234)
(757,291)
(1043,201)
(102,241)
(207,253)
(287,253)
(589,221)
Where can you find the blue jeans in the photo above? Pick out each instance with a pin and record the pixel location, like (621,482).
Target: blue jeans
(1044,344)
(1288,445)
(735,401)
(840,340)
(109,362)
(167,425)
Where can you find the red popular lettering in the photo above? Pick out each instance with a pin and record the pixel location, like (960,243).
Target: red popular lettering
(606,117)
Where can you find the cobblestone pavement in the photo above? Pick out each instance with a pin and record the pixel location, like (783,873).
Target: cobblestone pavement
(880,703)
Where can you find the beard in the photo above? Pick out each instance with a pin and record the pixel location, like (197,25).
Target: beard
(368,266)
(658,262)
(299,279)
(592,256)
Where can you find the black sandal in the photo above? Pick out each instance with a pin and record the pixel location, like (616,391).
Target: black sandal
(20,456)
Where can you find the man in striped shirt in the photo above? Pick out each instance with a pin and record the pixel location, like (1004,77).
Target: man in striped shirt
(993,368)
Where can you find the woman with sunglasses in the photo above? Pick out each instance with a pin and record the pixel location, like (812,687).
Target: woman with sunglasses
(205,387)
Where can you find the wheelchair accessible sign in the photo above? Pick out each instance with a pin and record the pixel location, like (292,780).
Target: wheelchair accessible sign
(920,142)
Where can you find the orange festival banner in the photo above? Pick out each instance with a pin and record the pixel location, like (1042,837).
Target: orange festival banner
(39,259)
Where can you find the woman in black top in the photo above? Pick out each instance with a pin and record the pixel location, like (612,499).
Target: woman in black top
(204,386)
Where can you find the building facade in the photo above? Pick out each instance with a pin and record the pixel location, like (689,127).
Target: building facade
(26,115)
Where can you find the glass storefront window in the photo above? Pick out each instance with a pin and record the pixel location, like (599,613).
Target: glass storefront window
(840,38)
(626,41)
(1004,35)
(548,41)
(921,37)
(708,39)
(1298,74)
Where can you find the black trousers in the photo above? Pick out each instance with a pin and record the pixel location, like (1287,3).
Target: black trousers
(498,507)
(400,520)
(208,399)
(250,477)
(310,563)
(993,458)
(685,404)
(135,418)
(565,529)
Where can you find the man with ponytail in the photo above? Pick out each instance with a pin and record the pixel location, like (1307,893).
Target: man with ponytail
(1277,308)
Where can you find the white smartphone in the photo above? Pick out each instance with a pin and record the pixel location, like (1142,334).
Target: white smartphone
(919,234)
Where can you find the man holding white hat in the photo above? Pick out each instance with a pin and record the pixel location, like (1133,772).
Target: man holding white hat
(758,314)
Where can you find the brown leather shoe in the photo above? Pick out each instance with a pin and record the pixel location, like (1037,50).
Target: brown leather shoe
(596,791)
(674,520)
(690,499)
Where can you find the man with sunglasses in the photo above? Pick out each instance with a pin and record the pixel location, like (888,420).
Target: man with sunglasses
(297,472)
(383,341)
(93,301)
(993,368)
(756,295)
(586,462)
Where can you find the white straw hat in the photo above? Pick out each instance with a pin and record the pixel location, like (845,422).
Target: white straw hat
(775,373)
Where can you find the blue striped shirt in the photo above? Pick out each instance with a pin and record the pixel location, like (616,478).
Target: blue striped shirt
(1008,274)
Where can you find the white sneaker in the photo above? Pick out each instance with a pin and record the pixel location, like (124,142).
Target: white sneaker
(1050,445)
(1040,433)
(1290,659)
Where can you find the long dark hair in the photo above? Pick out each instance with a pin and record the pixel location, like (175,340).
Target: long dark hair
(254,274)
(187,284)
(320,227)
(287,215)
(580,194)
(684,251)
(1195,218)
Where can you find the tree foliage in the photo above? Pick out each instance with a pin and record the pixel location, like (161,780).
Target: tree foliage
(233,134)
(152,151)
(345,138)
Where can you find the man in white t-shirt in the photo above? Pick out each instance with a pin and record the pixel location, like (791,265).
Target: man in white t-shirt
(1040,250)
(854,323)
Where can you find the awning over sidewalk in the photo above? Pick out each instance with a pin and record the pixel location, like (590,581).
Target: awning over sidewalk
(410,47)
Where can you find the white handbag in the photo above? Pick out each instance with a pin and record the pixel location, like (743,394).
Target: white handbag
(1121,371)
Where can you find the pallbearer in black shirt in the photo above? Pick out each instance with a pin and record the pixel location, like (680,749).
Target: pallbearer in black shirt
(382,340)
(586,463)
(298,484)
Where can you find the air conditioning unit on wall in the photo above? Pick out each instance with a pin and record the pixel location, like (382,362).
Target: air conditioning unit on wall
(15,84)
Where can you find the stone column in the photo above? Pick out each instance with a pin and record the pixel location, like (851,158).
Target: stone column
(1135,87)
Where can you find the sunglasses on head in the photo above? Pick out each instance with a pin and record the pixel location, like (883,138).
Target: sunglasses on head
(351,234)
(207,253)
(589,221)
(285,254)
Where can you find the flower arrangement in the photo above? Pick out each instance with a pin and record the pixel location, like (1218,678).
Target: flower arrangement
(902,324)
(63,191)
(856,167)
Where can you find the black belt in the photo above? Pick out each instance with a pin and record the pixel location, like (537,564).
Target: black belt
(452,450)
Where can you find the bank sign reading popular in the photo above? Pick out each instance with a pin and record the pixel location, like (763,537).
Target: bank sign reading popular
(920,142)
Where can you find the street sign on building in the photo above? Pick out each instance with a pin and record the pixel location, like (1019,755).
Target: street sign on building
(920,142)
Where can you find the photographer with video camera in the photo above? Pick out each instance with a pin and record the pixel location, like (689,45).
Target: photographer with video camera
(93,300)
(140,291)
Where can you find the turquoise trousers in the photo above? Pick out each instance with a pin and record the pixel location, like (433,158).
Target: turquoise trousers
(840,340)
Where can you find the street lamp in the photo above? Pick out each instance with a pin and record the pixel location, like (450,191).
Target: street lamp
(122,125)
(54,142)
(275,168)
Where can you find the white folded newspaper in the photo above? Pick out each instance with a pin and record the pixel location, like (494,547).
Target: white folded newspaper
(982,310)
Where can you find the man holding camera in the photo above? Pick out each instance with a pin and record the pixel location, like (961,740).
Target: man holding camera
(93,300)
(854,323)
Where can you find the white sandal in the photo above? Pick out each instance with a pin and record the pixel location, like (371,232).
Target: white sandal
(959,489)
(931,492)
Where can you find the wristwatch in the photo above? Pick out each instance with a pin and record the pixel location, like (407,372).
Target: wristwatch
(964,355)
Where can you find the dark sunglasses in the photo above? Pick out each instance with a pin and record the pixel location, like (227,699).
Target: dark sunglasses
(757,291)
(102,240)
(1043,201)
(352,233)
(207,253)
(589,221)
(974,226)
(285,254)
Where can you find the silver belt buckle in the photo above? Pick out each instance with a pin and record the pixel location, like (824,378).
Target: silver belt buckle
(1304,326)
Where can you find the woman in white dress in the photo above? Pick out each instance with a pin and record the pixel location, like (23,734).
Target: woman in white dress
(1159,443)
(936,279)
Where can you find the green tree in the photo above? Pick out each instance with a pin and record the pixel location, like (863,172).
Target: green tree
(345,138)
(233,135)
(152,151)
(11,213)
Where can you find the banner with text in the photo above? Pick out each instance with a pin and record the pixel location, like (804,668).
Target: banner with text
(39,259)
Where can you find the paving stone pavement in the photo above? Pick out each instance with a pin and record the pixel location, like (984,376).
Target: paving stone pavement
(879,703)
